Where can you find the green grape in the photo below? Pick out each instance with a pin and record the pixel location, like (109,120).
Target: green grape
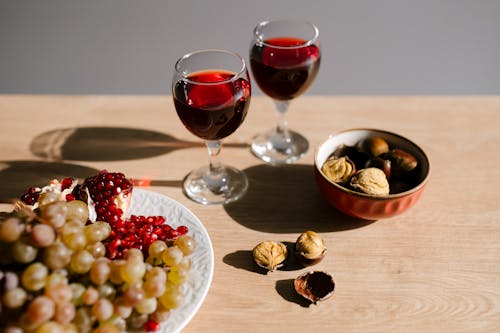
(156,249)
(121,308)
(172,256)
(115,275)
(57,256)
(56,277)
(160,315)
(41,310)
(98,249)
(134,253)
(59,292)
(106,290)
(185,263)
(23,252)
(133,296)
(77,290)
(47,198)
(96,232)
(172,297)
(81,261)
(65,312)
(14,298)
(107,328)
(11,229)
(156,273)
(186,244)
(54,214)
(34,276)
(90,296)
(154,287)
(78,211)
(42,235)
(133,271)
(50,327)
(102,309)
(100,271)
(83,320)
(75,241)
(147,306)
(178,275)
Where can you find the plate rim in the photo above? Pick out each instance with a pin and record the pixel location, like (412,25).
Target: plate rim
(195,219)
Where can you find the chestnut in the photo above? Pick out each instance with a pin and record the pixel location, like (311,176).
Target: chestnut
(403,164)
(358,157)
(380,163)
(374,146)
(314,286)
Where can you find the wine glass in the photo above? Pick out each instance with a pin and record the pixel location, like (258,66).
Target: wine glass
(211,91)
(285,57)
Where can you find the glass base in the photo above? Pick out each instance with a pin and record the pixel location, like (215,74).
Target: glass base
(274,148)
(226,186)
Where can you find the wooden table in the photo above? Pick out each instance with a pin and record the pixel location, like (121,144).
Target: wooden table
(435,268)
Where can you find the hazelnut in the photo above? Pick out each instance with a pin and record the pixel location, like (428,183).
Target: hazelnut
(309,248)
(402,163)
(370,181)
(270,255)
(338,169)
(314,286)
(380,163)
(373,146)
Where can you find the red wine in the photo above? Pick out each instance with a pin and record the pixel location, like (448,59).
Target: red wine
(210,106)
(283,72)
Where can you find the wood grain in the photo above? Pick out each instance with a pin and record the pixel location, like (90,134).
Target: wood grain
(435,268)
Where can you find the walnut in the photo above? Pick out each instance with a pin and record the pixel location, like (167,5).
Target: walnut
(370,181)
(339,169)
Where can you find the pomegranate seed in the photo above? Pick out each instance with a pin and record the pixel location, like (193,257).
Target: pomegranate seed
(182,230)
(70,197)
(151,326)
(66,183)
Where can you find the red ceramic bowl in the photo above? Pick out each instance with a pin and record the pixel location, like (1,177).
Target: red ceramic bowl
(366,206)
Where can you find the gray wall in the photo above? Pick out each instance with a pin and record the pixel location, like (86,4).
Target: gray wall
(130,46)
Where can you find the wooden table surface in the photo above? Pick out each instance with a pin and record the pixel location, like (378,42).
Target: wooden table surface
(435,268)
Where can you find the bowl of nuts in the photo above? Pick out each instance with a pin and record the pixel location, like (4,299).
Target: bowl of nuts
(371,174)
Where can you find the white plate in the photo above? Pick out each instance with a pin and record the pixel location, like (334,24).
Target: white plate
(200,276)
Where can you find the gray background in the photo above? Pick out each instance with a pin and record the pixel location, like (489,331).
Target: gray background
(129,47)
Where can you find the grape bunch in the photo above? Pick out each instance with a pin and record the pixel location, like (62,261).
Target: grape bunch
(55,275)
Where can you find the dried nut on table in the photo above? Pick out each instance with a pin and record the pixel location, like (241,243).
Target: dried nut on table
(370,181)
(339,169)
(314,286)
(270,255)
(309,248)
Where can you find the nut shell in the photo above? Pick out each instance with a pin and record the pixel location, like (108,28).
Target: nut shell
(314,286)
(270,255)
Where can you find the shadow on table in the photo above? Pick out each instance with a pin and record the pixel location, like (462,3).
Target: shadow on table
(286,289)
(285,199)
(108,144)
(17,176)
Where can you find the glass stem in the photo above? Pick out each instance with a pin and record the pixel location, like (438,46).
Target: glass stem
(282,124)
(216,177)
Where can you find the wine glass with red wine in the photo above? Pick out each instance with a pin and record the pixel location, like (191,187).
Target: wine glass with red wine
(211,92)
(285,57)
